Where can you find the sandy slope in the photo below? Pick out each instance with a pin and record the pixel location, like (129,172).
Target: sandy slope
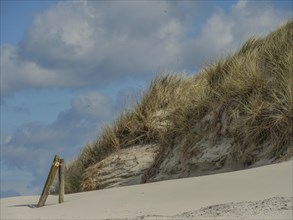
(263,192)
(122,168)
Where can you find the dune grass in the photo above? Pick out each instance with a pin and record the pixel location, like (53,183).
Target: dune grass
(248,94)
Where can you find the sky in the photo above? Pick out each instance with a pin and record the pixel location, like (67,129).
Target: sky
(69,67)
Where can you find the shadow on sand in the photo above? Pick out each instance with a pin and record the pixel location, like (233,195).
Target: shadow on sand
(29,205)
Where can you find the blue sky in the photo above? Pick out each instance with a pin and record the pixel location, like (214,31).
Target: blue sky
(67,67)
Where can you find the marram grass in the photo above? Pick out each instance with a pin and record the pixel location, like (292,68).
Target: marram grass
(249,94)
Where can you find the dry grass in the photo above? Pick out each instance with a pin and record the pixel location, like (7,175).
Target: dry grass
(250,93)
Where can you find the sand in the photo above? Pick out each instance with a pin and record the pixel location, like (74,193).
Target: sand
(258,193)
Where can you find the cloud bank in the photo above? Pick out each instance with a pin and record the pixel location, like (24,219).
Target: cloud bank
(33,145)
(83,44)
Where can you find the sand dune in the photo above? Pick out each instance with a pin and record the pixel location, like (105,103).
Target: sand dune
(263,192)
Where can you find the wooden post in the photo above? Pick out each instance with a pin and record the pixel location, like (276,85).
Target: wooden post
(61,180)
(49,181)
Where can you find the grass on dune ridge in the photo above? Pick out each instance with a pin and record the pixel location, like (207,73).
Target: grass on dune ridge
(249,93)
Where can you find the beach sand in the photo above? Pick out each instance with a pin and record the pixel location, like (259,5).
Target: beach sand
(257,193)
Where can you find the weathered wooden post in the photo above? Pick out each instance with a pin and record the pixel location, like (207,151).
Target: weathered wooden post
(49,181)
(61,180)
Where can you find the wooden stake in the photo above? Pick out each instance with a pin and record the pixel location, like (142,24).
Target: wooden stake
(49,181)
(61,180)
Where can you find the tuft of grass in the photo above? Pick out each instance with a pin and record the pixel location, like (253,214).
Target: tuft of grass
(247,96)
(144,124)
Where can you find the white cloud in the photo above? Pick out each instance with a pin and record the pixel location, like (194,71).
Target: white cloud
(59,36)
(17,74)
(104,37)
(223,32)
(78,44)
(81,44)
